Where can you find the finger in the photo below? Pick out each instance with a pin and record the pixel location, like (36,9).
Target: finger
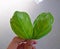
(17,39)
(26,46)
(20,46)
(15,42)
(34,42)
(31,42)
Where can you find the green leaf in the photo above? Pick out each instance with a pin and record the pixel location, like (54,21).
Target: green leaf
(42,25)
(21,25)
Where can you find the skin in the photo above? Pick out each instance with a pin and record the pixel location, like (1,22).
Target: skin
(18,43)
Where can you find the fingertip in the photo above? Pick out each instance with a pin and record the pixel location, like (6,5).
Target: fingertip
(34,42)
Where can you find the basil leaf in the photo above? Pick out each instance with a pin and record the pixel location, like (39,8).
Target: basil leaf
(42,25)
(21,25)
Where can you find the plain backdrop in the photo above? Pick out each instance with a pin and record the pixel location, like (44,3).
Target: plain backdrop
(8,7)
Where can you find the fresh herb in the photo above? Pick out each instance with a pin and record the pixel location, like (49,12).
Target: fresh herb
(23,28)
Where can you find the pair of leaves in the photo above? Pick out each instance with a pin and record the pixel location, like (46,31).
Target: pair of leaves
(23,28)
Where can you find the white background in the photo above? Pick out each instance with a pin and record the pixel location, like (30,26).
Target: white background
(7,8)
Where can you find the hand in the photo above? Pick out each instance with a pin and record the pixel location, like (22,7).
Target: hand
(18,43)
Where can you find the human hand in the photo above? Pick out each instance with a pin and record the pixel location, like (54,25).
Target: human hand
(18,43)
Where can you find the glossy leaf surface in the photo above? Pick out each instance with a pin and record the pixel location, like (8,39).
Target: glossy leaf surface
(42,25)
(21,25)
